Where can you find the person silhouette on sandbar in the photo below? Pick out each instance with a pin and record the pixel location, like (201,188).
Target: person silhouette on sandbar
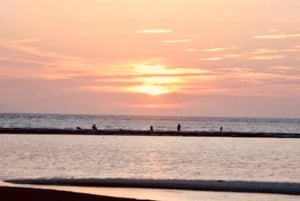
(94,127)
(151,128)
(178,127)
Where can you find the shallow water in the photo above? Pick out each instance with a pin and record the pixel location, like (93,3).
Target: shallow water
(189,158)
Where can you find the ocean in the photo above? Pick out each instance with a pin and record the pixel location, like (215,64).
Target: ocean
(109,122)
(149,157)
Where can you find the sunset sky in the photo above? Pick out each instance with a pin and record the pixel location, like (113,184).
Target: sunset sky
(145,57)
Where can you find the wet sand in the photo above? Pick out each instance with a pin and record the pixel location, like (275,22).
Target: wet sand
(146,133)
(31,194)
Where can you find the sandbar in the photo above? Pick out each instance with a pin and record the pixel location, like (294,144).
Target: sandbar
(124,132)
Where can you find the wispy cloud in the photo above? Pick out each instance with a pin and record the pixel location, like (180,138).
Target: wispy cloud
(154,31)
(212,59)
(232,56)
(261,54)
(255,81)
(18,54)
(283,68)
(25,46)
(219,49)
(27,40)
(41,63)
(295,46)
(278,36)
(274,51)
(152,68)
(265,51)
(222,57)
(266,57)
(176,41)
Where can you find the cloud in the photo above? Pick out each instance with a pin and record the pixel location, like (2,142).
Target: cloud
(291,71)
(212,59)
(27,40)
(222,57)
(176,41)
(25,46)
(219,53)
(273,51)
(153,106)
(43,64)
(261,54)
(220,49)
(21,58)
(278,36)
(232,56)
(295,46)
(262,82)
(154,31)
(266,57)
(108,89)
(265,51)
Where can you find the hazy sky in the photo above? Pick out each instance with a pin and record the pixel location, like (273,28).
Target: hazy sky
(148,57)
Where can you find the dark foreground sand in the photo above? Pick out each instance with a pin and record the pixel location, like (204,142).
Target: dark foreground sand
(30,194)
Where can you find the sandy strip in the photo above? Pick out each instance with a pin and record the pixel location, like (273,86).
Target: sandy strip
(123,132)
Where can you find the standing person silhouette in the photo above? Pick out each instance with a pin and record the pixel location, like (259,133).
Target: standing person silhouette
(178,127)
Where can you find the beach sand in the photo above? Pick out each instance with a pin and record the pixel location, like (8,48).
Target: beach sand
(31,194)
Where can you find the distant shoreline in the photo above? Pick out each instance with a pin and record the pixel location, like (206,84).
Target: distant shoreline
(123,132)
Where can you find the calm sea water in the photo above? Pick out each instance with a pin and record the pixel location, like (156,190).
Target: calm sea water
(145,157)
(144,122)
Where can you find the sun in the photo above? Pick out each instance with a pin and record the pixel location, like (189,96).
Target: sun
(154,79)
(153,90)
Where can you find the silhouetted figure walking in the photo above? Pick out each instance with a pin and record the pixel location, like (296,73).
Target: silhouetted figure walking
(178,127)
(94,127)
(151,128)
(221,129)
